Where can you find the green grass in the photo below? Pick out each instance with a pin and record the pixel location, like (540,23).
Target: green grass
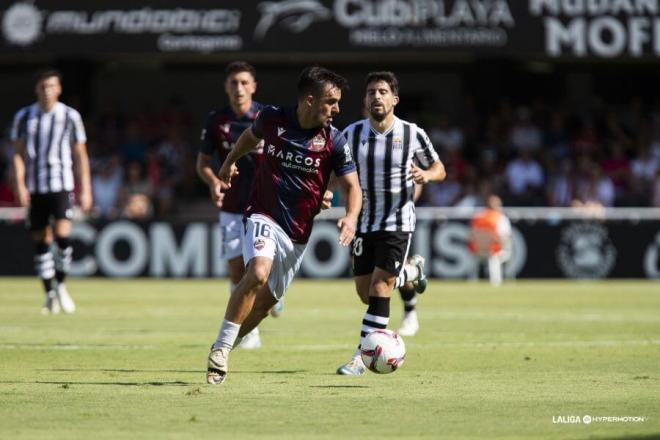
(486,364)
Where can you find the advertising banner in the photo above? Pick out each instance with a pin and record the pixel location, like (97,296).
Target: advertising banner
(578,249)
(515,28)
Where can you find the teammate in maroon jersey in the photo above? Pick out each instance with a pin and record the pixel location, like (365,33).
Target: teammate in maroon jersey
(301,151)
(221,131)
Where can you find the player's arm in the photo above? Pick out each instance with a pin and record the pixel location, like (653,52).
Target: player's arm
(81,168)
(205,172)
(435,173)
(22,194)
(245,144)
(348,224)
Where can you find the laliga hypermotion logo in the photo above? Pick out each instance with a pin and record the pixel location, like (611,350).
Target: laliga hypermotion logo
(21,24)
(293,15)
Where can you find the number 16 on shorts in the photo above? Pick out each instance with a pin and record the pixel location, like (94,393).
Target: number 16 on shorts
(259,238)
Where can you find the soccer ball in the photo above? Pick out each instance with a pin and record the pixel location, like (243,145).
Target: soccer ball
(383,351)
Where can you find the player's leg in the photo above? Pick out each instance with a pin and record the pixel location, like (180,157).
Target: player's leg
(273,260)
(409,324)
(413,272)
(236,269)
(376,317)
(263,303)
(386,252)
(495,269)
(42,237)
(63,257)
(231,227)
(239,306)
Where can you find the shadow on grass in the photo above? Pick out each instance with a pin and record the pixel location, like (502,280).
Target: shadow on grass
(126,370)
(338,386)
(632,437)
(120,370)
(128,384)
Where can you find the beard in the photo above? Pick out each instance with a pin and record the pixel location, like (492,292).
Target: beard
(378,116)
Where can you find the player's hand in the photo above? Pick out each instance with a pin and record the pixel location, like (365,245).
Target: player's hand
(217,194)
(226,173)
(327,200)
(85,200)
(418,174)
(347,226)
(22,196)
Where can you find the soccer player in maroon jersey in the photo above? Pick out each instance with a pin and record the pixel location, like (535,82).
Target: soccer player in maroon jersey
(301,151)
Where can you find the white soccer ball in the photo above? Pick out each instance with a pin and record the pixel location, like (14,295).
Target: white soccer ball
(383,351)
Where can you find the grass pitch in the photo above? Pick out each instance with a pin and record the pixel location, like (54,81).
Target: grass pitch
(505,363)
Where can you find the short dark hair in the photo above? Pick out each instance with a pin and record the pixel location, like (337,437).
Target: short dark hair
(45,74)
(313,79)
(240,66)
(388,77)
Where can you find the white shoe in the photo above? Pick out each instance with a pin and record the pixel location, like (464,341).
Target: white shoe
(353,368)
(67,304)
(277,309)
(252,340)
(217,365)
(51,305)
(409,324)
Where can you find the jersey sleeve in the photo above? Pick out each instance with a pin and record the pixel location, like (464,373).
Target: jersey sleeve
(209,137)
(18,127)
(342,158)
(79,135)
(425,154)
(262,119)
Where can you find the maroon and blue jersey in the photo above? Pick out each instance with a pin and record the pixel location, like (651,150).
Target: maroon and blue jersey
(221,131)
(295,171)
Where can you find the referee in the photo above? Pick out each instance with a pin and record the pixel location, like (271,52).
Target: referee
(49,146)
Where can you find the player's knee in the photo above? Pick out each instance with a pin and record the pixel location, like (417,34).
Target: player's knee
(259,275)
(381,288)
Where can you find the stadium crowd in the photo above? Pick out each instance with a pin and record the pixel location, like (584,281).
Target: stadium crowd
(531,154)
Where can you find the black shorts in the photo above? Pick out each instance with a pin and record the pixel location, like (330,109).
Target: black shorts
(382,249)
(43,207)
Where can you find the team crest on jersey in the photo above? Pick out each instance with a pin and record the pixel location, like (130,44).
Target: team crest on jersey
(317,144)
(259,244)
(397,143)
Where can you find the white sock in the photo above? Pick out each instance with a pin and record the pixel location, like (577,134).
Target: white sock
(357,354)
(408,273)
(227,335)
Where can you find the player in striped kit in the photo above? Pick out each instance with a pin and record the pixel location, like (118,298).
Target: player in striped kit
(50,160)
(388,152)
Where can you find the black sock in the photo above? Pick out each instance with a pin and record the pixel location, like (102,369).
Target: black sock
(409,298)
(377,316)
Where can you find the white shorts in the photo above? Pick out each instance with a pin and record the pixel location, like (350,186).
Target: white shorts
(265,238)
(231,231)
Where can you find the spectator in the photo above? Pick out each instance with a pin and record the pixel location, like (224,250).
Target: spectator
(445,136)
(596,188)
(106,185)
(561,188)
(525,180)
(525,135)
(136,194)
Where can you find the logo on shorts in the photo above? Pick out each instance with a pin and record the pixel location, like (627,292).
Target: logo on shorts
(259,244)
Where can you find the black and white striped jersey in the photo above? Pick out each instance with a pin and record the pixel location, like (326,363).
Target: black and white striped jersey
(49,138)
(383,161)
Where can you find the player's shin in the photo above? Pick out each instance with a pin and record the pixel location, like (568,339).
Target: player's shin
(63,257)
(44,265)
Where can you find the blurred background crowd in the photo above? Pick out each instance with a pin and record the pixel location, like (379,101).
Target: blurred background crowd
(530,153)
